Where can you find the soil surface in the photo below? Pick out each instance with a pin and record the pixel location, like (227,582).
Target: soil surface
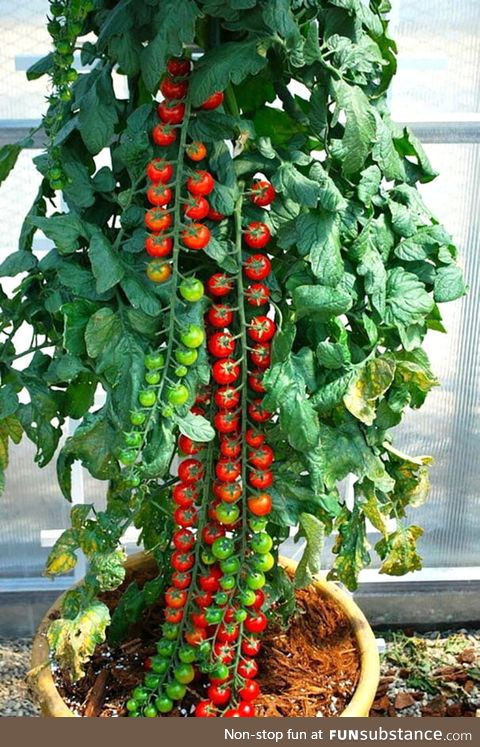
(310,669)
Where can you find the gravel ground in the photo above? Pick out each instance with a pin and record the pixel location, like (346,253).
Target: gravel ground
(422,674)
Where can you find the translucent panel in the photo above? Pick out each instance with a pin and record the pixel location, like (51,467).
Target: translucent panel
(24,37)
(16,196)
(439,59)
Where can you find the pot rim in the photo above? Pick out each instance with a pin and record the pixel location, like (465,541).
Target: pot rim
(53,705)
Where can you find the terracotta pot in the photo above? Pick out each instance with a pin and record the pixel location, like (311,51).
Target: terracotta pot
(52,704)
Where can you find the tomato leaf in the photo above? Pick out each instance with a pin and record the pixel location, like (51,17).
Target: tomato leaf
(106,266)
(195,427)
(311,562)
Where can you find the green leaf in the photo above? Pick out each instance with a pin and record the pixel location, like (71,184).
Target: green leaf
(74,641)
(311,561)
(8,158)
(108,569)
(384,151)
(330,197)
(371,382)
(93,443)
(360,125)
(98,113)
(102,327)
(41,67)
(399,551)
(295,186)
(158,454)
(76,316)
(230,62)
(407,300)
(278,16)
(352,549)
(65,230)
(275,124)
(195,427)
(333,355)
(323,302)
(369,184)
(106,265)
(131,605)
(449,284)
(16,263)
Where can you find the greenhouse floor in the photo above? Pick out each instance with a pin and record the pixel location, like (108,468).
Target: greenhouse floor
(423,674)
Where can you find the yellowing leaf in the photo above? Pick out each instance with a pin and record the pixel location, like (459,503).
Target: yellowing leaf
(372,381)
(74,641)
(399,551)
(62,556)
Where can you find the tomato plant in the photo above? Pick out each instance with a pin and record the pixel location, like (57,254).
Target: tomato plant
(245,381)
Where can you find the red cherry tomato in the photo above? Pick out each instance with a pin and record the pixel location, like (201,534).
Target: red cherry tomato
(173,616)
(227,397)
(220,315)
(260,355)
(228,492)
(230,447)
(185,517)
(179,67)
(225,371)
(255,623)
(187,446)
(173,89)
(215,215)
(158,194)
(261,458)
(182,561)
(195,637)
(220,284)
(196,208)
(257,267)
(183,540)
(203,599)
(212,532)
(196,236)
(200,183)
(224,652)
(171,112)
(175,598)
(262,193)
(257,413)
(199,619)
(226,421)
(259,599)
(260,505)
(257,235)
(232,713)
(181,579)
(255,382)
(190,471)
(228,633)
(248,669)
(219,694)
(227,470)
(196,151)
(160,170)
(208,582)
(158,219)
(205,709)
(213,101)
(254,438)
(257,294)
(157,245)
(221,344)
(163,135)
(185,494)
(260,479)
(261,328)
(251,646)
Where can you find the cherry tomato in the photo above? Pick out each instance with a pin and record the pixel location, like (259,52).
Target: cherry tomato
(187,654)
(182,561)
(261,543)
(184,495)
(185,517)
(184,673)
(158,271)
(260,355)
(147,397)
(178,394)
(195,637)
(228,492)
(196,236)
(224,652)
(172,89)
(257,267)
(175,598)
(261,329)
(183,540)
(157,245)
(208,583)
(231,565)
(159,195)
(171,112)
(203,599)
(205,709)
(221,344)
(260,480)
(257,294)
(261,504)
(163,135)
(257,235)
(227,513)
(212,532)
(257,413)
(199,619)
(196,151)
(179,67)
(255,623)
(181,580)
(248,669)
(225,371)
(220,284)
(163,704)
(254,438)
(261,458)
(230,447)
(251,646)
(226,421)
(232,713)
(160,170)
(213,101)
(255,382)
(262,193)
(192,290)
(190,471)
(228,633)
(227,397)
(187,446)
(220,315)
(263,563)
(246,710)
(186,357)
(200,183)
(192,337)
(158,219)
(227,470)
(215,215)
(219,694)
(196,208)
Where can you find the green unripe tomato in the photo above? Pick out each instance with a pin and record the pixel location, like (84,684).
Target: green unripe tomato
(152,377)
(140,694)
(170,631)
(193,336)
(214,615)
(187,654)
(133,481)
(133,439)
(223,548)
(208,557)
(264,562)
(132,705)
(257,525)
(178,395)
(227,513)
(159,665)
(72,75)
(63,46)
(165,648)
(192,289)
(261,543)
(227,583)
(147,397)
(152,681)
(247,597)
(58,184)
(256,580)
(204,649)
(163,704)
(230,565)
(186,357)
(240,616)
(137,418)
(154,361)
(127,456)
(150,712)
(181,371)
(55,173)
(175,690)
(184,673)
(57,10)
(54,28)
(168,411)
(220,672)
(221,598)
